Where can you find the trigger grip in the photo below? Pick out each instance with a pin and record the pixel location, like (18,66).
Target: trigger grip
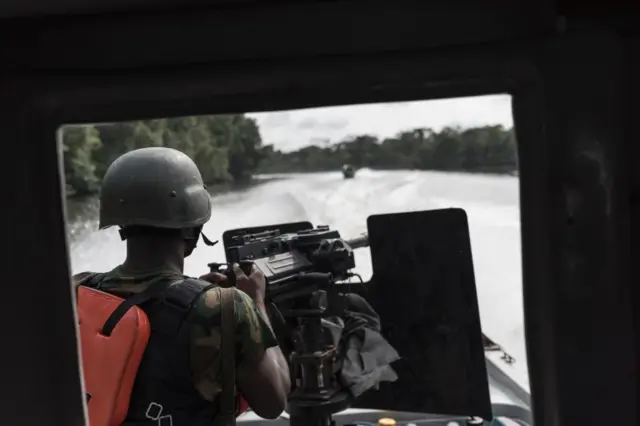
(214,266)
(231,276)
(246,266)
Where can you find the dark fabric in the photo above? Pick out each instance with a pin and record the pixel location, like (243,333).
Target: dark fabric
(163,385)
(364,354)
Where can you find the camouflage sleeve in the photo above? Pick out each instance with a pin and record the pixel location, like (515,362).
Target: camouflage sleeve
(254,334)
(253,337)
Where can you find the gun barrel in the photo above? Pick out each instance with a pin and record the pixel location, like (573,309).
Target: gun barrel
(359,242)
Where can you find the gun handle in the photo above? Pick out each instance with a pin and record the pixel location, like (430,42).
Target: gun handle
(214,266)
(231,276)
(245,265)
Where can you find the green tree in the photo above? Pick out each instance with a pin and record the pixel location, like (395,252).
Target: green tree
(79,143)
(226,148)
(487,148)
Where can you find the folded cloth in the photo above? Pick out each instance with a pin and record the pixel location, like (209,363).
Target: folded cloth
(364,355)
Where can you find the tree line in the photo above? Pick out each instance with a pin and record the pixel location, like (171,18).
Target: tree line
(478,149)
(228,148)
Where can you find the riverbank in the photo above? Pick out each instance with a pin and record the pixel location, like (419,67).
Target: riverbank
(485,170)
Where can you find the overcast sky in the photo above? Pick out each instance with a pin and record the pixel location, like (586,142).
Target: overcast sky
(290,130)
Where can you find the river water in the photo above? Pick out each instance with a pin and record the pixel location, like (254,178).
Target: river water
(491,203)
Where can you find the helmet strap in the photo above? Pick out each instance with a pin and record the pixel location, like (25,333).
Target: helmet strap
(191,236)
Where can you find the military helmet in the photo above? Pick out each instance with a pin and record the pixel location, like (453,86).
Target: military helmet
(157,187)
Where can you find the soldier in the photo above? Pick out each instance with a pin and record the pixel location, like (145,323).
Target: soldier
(157,198)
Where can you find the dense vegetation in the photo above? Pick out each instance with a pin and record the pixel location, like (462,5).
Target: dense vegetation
(228,148)
(481,149)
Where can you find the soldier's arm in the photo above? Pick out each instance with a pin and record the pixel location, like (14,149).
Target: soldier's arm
(263,374)
(259,378)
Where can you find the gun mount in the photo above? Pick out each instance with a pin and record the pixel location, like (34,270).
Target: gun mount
(305,272)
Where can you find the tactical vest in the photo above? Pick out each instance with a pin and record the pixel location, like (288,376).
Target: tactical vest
(163,393)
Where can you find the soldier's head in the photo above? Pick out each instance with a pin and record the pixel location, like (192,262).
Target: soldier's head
(155,193)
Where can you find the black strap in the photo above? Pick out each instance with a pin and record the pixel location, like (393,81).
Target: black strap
(175,306)
(227,413)
(156,288)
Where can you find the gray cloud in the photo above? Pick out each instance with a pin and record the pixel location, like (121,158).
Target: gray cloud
(277,119)
(309,123)
(337,123)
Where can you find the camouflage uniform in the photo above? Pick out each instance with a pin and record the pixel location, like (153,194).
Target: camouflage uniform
(253,336)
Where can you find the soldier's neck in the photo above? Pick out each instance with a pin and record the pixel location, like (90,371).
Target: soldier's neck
(153,254)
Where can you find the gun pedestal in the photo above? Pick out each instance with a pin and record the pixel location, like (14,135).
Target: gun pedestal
(317,394)
(317,413)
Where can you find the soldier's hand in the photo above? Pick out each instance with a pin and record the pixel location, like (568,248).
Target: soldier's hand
(254,284)
(216,278)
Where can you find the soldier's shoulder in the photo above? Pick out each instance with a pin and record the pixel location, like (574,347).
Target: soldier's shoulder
(206,307)
(81,277)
